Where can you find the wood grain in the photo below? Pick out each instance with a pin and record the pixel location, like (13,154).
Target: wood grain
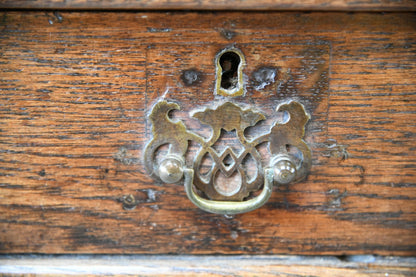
(316,5)
(76,88)
(205,266)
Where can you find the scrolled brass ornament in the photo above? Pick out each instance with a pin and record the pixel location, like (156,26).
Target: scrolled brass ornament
(243,196)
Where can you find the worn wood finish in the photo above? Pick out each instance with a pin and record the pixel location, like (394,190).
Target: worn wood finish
(317,5)
(367,266)
(76,87)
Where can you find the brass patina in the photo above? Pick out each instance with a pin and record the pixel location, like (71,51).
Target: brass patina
(283,168)
(236,86)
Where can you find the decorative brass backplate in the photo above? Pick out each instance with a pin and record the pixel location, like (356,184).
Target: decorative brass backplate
(282,137)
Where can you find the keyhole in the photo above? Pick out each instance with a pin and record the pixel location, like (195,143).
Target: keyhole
(229,63)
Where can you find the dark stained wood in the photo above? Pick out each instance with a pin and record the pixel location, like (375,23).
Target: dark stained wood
(367,266)
(317,5)
(76,88)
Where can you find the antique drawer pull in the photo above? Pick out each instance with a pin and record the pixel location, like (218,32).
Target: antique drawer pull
(229,186)
(284,167)
(229,207)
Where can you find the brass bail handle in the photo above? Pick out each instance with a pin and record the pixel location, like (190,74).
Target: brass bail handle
(171,170)
(229,207)
(227,188)
(284,167)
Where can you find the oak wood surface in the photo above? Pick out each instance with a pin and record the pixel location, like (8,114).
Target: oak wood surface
(76,88)
(306,5)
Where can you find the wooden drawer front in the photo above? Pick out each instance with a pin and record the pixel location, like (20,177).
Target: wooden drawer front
(76,88)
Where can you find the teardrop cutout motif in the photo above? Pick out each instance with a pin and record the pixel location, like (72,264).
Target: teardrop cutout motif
(250,168)
(227,186)
(205,167)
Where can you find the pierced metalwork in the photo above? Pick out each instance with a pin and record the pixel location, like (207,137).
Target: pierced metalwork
(285,166)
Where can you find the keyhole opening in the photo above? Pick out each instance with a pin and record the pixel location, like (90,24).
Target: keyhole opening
(229,63)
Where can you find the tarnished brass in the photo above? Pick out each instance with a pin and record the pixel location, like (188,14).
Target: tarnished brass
(284,167)
(228,117)
(171,169)
(235,85)
(284,170)
(229,207)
